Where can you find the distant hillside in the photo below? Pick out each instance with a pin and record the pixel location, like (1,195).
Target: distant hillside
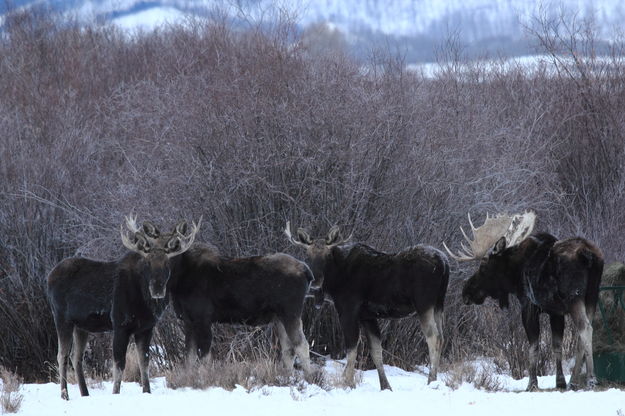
(415,27)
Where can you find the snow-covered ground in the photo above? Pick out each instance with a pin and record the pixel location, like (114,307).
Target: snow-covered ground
(411,395)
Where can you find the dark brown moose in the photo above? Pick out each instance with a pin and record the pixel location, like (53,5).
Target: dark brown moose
(126,296)
(366,285)
(207,288)
(547,275)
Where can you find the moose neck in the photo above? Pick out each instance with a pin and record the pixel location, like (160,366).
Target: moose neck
(334,268)
(527,263)
(508,279)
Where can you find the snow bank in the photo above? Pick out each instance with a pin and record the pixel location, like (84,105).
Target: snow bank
(411,394)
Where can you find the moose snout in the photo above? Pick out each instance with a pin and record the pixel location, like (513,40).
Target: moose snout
(158,291)
(472,294)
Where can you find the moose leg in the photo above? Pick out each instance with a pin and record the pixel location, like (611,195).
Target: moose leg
(577,367)
(286,348)
(351,330)
(584,350)
(80,343)
(438,317)
(142,340)
(300,344)
(120,345)
(531,324)
(434,339)
(204,337)
(190,344)
(590,363)
(557,333)
(65,345)
(372,331)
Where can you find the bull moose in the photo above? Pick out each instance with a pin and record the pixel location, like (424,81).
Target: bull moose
(126,296)
(210,288)
(547,275)
(366,285)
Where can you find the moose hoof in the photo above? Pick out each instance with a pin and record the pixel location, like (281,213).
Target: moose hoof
(532,387)
(384,385)
(592,383)
(64,394)
(561,384)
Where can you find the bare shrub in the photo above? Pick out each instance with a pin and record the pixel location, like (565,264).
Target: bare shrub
(462,372)
(132,371)
(337,381)
(229,374)
(255,126)
(10,398)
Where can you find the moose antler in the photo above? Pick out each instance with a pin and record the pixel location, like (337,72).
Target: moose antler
(521,227)
(514,227)
(186,241)
(137,241)
(334,237)
(296,241)
(303,239)
(131,223)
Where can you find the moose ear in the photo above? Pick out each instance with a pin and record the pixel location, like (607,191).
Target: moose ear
(303,236)
(500,245)
(142,242)
(333,235)
(173,244)
(150,230)
(181,228)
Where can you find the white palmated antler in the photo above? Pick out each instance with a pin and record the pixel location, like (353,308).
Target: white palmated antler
(484,237)
(521,227)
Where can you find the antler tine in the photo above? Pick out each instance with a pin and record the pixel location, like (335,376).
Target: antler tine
(125,240)
(471,224)
(131,222)
(465,235)
(348,238)
(342,240)
(128,243)
(494,227)
(287,232)
(468,251)
(461,257)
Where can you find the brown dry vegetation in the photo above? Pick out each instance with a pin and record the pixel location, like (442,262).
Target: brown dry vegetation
(253,127)
(249,374)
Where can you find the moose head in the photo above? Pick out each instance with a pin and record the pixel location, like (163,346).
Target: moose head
(319,254)
(157,249)
(492,245)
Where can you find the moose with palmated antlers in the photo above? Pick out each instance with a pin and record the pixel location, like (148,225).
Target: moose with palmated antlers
(126,296)
(547,275)
(366,285)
